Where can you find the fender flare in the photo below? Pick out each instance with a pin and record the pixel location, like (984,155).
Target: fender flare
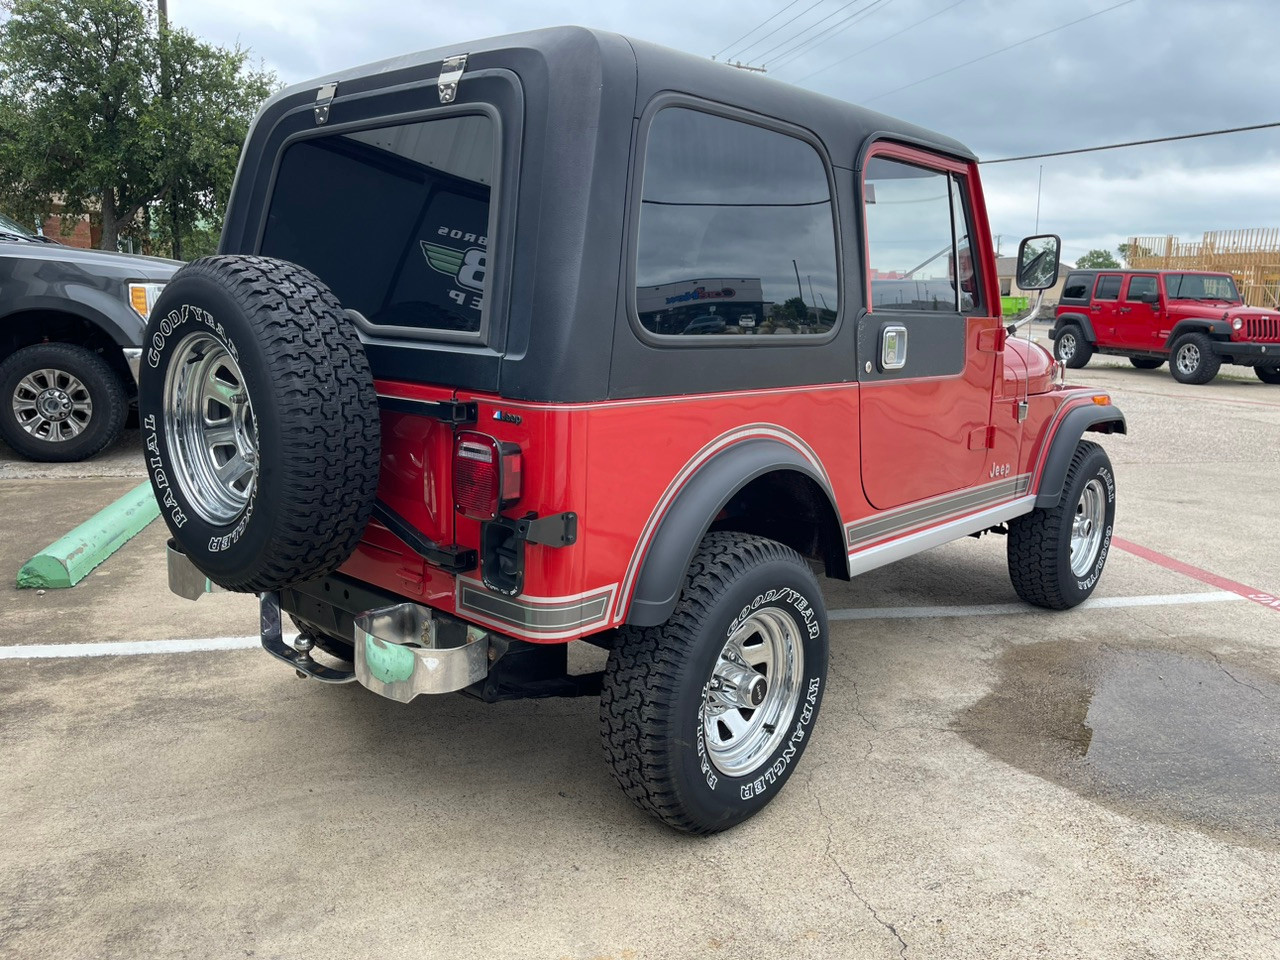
(1062,446)
(1213,327)
(691,513)
(114,318)
(1079,319)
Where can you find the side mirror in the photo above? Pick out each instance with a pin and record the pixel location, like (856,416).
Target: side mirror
(1038,259)
(1150,297)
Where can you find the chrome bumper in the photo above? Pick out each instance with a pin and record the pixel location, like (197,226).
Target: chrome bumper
(185,578)
(408,649)
(133,357)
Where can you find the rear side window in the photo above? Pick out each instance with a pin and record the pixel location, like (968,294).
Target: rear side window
(1108,288)
(395,220)
(736,232)
(1076,287)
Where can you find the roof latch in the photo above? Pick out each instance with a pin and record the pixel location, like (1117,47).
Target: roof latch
(324,97)
(450,74)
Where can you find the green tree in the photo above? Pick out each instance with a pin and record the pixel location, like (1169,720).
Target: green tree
(106,114)
(1097,259)
(1129,250)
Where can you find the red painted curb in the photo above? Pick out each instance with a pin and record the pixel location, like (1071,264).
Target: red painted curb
(1204,576)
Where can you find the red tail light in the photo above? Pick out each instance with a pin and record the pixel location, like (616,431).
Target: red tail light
(486,475)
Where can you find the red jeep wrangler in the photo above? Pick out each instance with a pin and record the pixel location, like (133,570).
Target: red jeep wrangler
(566,337)
(1196,321)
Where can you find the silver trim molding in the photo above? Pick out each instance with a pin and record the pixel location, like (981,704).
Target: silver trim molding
(133,357)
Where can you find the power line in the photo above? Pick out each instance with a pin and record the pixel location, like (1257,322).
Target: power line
(780,26)
(755,28)
(812,26)
(1136,143)
(800,49)
(987,56)
(837,63)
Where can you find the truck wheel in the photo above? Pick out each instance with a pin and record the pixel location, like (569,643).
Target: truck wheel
(1056,554)
(1268,374)
(1192,359)
(260,422)
(705,717)
(1071,348)
(1146,363)
(59,402)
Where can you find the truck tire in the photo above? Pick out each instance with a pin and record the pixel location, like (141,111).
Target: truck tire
(1192,359)
(1056,554)
(1146,363)
(60,402)
(260,422)
(1071,348)
(1268,374)
(706,716)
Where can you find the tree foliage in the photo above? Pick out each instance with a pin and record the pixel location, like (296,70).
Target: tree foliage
(1128,251)
(105,114)
(1097,259)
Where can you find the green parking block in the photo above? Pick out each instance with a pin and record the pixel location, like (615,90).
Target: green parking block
(68,560)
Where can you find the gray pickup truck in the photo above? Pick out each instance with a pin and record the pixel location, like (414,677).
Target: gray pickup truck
(71,325)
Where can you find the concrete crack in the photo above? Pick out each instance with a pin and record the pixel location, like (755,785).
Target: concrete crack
(848,882)
(1223,668)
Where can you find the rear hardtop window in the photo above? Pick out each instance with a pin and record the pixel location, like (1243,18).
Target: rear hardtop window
(395,219)
(1076,286)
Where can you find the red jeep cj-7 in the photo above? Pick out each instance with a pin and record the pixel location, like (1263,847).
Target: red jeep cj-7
(563,336)
(1196,321)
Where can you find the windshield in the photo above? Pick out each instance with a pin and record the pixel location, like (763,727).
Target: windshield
(1201,286)
(9,226)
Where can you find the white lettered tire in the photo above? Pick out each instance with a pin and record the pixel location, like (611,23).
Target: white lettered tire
(705,717)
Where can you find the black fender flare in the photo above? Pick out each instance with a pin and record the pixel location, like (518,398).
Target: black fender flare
(1079,319)
(1062,446)
(1214,327)
(697,504)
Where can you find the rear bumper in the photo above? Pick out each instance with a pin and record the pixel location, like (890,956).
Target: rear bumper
(401,650)
(1250,354)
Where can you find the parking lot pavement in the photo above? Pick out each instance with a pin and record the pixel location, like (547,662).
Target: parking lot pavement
(985,780)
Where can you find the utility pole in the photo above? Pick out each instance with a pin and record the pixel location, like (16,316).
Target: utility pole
(166,95)
(739,65)
(799,289)
(1039,181)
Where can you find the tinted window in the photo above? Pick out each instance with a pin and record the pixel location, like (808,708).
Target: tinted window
(918,239)
(395,220)
(1108,288)
(1201,286)
(1140,287)
(1076,287)
(736,230)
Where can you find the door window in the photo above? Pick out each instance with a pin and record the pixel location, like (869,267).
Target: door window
(1140,287)
(736,234)
(1108,288)
(918,239)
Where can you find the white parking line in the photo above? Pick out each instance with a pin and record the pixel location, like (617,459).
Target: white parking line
(126,648)
(1005,609)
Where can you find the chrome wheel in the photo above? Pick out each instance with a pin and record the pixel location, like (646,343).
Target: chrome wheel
(211,431)
(1188,359)
(52,405)
(1066,347)
(753,693)
(1086,527)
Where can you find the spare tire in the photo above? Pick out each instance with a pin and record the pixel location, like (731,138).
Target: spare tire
(260,422)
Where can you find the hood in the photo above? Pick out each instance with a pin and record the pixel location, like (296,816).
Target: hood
(126,266)
(1215,309)
(1033,362)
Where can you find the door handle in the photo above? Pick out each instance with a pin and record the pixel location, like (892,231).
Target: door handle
(1126,309)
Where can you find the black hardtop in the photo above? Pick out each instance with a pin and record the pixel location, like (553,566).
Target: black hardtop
(558,304)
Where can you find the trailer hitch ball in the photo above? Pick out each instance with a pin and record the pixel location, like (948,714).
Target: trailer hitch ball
(303,644)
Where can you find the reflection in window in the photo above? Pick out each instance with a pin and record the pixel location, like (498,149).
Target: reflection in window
(918,239)
(1076,287)
(394,220)
(736,231)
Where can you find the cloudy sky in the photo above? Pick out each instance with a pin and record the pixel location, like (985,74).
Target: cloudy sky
(1146,68)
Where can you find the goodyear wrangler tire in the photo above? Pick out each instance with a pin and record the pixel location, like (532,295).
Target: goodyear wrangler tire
(260,422)
(1056,554)
(705,717)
